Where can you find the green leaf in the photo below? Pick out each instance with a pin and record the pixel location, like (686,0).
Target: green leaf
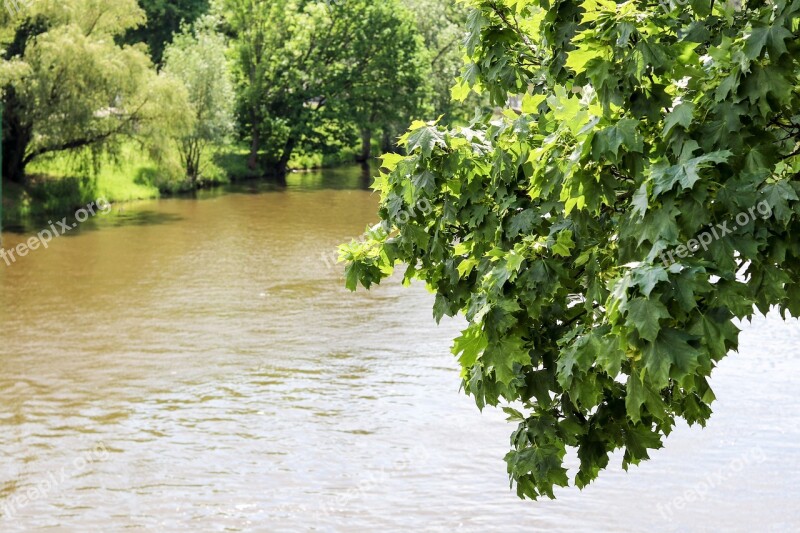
(425,139)
(686,173)
(644,315)
(635,398)
(466,266)
(640,201)
(638,439)
(574,361)
(608,355)
(564,244)
(522,223)
(389,161)
(777,197)
(531,102)
(657,225)
(719,334)
(425,181)
(514,261)
(460,90)
(578,59)
(504,357)
(647,277)
(669,355)
(622,134)
(680,116)
(771,37)
(470,345)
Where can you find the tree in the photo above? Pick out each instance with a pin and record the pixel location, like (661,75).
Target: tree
(442,25)
(300,64)
(258,30)
(197,58)
(395,86)
(68,87)
(602,240)
(164,19)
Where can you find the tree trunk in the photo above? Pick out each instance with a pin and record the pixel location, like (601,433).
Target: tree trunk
(366,147)
(16,138)
(13,166)
(252,161)
(387,145)
(366,176)
(191,171)
(189,160)
(282,167)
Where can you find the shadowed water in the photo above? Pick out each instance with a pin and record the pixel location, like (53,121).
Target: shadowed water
(196,364)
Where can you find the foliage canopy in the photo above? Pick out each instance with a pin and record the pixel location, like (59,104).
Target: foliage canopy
(307,75)
(305,69)
(641,126)
(164,19)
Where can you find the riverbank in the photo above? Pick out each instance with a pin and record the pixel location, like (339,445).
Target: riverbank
(60,185)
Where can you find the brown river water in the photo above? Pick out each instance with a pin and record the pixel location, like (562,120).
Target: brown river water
(196,365)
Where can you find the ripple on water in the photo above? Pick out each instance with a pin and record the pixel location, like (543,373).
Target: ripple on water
(235,385)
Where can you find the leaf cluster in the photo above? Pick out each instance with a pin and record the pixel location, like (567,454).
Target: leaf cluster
(639,127)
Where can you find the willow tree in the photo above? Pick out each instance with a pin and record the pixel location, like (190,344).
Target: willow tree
(602,240)
(67,86)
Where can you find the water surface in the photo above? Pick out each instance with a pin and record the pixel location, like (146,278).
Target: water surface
(195,364)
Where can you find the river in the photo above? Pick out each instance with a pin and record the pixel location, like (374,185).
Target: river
(196,365)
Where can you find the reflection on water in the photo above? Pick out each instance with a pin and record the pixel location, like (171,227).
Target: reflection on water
(194,364)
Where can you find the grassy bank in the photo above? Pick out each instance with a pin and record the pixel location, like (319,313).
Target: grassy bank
(64,182)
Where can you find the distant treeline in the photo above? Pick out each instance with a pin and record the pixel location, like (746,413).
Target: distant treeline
(192,83)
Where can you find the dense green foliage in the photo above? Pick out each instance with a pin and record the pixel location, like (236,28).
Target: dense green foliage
(442,26)
(307,70)
(164,19)
(602,240)
(392,85)
(311,83)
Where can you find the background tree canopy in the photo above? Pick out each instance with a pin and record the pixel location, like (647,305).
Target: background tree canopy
(164,19)
(296,81)
(571,232)
(306,68)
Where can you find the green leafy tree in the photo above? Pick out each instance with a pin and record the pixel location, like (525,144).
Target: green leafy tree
(303,64)
(164,19)
(197,58)
(568,233)
(395,85)
(68,87)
